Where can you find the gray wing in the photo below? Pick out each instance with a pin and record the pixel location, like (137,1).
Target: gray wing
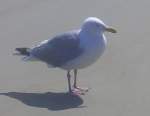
(59,50)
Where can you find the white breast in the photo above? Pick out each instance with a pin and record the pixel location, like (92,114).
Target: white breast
(93,49)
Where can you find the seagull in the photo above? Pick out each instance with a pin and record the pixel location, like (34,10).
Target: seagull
(72,50)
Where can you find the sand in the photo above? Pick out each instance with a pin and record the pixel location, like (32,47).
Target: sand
(119,81)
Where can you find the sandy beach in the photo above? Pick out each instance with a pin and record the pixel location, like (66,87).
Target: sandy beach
(119,81)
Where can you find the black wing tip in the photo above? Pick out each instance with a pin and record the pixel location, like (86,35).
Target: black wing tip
(23,51)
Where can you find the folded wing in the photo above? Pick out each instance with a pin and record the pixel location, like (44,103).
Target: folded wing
(59,50)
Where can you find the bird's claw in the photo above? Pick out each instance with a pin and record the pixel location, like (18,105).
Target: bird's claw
(79,91)
(82,89)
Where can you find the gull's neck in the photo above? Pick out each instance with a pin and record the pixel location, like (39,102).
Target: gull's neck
(90,35)
(88,40)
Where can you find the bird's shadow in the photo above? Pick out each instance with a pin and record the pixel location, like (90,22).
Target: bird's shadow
(50,100)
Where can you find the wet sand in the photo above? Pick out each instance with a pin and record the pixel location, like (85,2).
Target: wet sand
(119,81)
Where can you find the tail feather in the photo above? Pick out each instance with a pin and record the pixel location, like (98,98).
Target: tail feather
(23,51)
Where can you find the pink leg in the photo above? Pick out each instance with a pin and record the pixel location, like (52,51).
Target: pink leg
(69,83)
(76,88)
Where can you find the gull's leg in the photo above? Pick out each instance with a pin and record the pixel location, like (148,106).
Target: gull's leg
(74,91)
(75,78)
(69,82)
(75,83)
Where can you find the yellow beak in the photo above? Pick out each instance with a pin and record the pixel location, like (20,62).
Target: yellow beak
(109,29)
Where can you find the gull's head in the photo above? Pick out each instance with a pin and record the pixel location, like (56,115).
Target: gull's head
(93,25)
